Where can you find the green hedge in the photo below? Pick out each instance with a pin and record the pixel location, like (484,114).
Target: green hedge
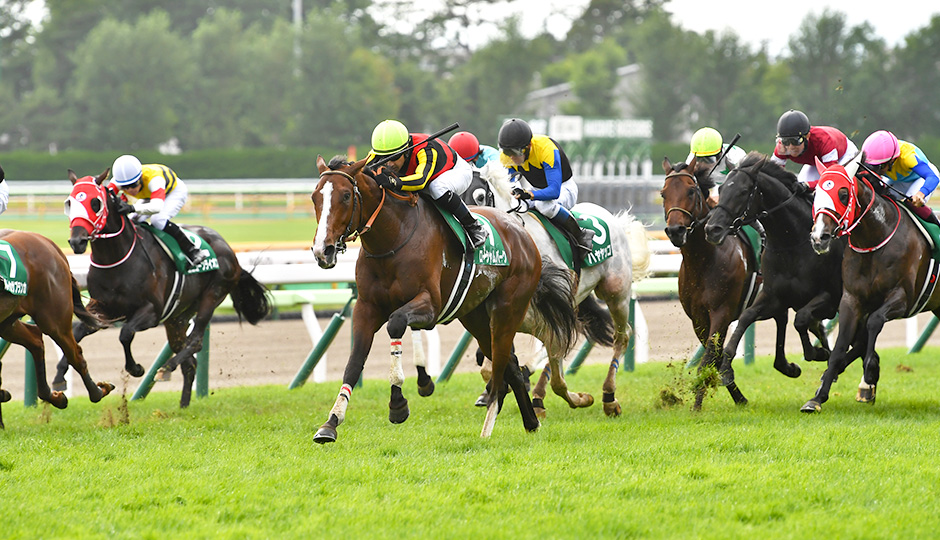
(245,163)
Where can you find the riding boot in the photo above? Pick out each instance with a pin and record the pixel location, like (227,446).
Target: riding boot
(582,239)
(194,255)
(476,233)
(925,213)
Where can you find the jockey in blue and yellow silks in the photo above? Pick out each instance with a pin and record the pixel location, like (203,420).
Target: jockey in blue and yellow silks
(544,166)
(160,194)
(905,167)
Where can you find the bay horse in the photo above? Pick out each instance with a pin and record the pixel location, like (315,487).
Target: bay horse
(795,276)
(132,279)
(716,281)
(51,298)
(610,280)
(888,272)
(417,280)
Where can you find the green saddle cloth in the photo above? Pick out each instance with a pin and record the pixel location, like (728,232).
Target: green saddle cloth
(752,237)
(179,258)
(491,253)
(12,270)
(602,249)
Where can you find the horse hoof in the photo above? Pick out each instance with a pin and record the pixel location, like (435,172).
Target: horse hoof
(60,386)
(612,409)
(483,400)
(5,396)
(821,355)
(427,390)
(533,429)
(794,371)
(584,400)
(741,402)
(865,395)
(58,400)
(162,375)
(398,416)
(106,388)
(326,434)
(811,406)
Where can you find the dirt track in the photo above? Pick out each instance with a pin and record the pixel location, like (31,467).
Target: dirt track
(273,352)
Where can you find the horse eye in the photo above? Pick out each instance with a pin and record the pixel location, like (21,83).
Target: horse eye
(844,195)
(346,197)
(96,205)
(691,192)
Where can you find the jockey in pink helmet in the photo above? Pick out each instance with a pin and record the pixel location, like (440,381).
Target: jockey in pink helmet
(903,166)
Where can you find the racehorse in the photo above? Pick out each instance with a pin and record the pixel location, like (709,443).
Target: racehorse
(132,279)
(50,297)
(610,280)
(794,275)
(715,281)
(417,280)
(889,271)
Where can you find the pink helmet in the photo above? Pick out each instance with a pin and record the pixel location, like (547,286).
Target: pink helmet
(881,146)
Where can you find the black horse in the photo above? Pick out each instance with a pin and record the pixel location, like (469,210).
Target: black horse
(132,279)
(795,277)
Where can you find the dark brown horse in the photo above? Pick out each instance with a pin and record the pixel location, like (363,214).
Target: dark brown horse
(714,280)
(132,279)
(413,272)
(888,272)
(52,296)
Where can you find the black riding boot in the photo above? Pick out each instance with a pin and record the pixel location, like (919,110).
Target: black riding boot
(194,255)
(583,239)
(476,233)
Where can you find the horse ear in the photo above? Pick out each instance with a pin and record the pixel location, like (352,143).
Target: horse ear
(357,167)
(667,166)
(103,176)
(73,177)
(321,164)
(691,165)
(819,166)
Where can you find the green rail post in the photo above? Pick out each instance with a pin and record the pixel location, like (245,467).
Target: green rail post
(583,352)
(202,367)
(749,345)
(30,392)
(629,356)
(828,329)
(455,357)
(925,335)
(147,383)
(322,344)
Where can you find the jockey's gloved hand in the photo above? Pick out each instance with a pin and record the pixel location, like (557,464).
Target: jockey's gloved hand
(385,179)
(520,193)
(124,208)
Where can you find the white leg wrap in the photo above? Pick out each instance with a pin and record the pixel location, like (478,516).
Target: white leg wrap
(396,375)
(420,358)
(342,401)
(864,385)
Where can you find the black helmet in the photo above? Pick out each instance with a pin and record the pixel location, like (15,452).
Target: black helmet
(792,123)
(515,134)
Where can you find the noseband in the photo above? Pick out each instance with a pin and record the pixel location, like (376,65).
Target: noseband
(699,200)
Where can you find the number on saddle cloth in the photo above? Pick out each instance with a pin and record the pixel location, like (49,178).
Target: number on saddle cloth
(602,248)
(492,252)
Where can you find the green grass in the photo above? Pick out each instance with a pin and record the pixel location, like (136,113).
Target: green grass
(242,464)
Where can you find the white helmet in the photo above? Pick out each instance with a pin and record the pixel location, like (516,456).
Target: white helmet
(126,170)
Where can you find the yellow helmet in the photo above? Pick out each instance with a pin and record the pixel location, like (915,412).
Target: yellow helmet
(389,137)
(706,142)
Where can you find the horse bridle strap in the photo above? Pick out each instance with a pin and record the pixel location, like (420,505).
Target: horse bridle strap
(884,242)
(695,220)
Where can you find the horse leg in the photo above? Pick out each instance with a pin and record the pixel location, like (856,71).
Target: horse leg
(175,330)
(72,353)
(30,337)
(418,312)
(781,363)
(714,353)
(893,308)
(142,319)
(560,386)
(366,322)
(79,331)
(849,319)
(807,318)
(538,393)
(188,368)
(619,307)
(425,383)
(762,309)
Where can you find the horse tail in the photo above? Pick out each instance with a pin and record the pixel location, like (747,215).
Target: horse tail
(639,245)
(554,302)
(250,298)
(596,321)
(91,320)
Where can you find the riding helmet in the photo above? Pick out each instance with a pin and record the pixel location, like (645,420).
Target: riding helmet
(792,123)
(389,137)
(465,144)
(880,147)
(514,133)
(126,170)
(706,142)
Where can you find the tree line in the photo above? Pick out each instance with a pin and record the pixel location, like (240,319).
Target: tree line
(239,74)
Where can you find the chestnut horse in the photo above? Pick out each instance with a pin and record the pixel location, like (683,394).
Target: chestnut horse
(716,282)
(888,273)
(795,276)
(51,297)
(132,279)
(413,272)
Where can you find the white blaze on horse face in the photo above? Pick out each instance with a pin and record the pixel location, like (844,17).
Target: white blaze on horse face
(320,238)
(819,226)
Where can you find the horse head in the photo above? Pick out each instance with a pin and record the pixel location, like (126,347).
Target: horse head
(834,205)
(499,187)
(684,193)
(87,208)
(338,203)
(736,200)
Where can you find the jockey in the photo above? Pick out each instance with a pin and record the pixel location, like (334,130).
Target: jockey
(801,143)
(161,195)
(903,166)
(706,145)
(432,166)
(468,147)
(544,166)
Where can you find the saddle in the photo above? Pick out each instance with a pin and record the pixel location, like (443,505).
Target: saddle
(172,248)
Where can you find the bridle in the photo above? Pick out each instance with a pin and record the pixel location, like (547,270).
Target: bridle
(699,200)
(845,228)
(101,221)
(743,219)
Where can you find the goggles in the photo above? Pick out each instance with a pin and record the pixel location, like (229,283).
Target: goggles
(791,141)
(706,159)
(514,152)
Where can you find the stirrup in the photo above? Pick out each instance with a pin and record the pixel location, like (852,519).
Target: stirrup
(477,237)
(196,258)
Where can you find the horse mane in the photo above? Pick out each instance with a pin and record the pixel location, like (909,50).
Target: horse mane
(337,161)
(498,177)
(784,176)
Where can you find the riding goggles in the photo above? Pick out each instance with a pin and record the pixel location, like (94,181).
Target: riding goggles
(791,141)
(514,152)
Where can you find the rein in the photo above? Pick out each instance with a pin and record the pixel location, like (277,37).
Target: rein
(847,231)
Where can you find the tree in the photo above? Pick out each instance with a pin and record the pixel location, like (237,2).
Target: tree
(914,80)
(594,78)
